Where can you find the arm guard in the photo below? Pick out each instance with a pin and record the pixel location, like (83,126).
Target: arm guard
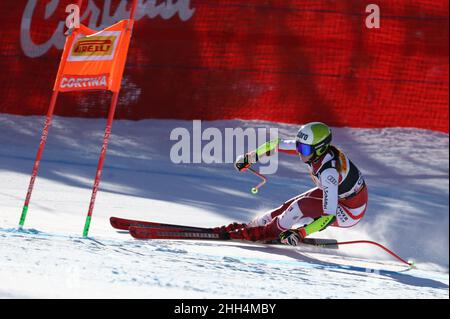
(275,145)
(267,148)
(318,225)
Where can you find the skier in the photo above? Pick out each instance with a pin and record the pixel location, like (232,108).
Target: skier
(339,198)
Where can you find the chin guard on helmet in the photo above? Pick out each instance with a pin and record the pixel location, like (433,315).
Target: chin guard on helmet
(322,147)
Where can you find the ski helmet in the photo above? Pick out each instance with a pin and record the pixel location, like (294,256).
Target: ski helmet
(313,138)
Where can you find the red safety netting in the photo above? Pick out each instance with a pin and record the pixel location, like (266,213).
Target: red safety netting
(281,60)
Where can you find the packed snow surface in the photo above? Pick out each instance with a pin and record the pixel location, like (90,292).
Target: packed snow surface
(406,171)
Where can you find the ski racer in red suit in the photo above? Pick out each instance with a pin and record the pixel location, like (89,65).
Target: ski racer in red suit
(339,198)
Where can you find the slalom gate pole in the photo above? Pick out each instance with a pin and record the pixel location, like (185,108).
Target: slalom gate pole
(255,189)
(390,252)
(48,123)
(133,9)
(101,161)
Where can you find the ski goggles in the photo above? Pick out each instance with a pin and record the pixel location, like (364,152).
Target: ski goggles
(304,149)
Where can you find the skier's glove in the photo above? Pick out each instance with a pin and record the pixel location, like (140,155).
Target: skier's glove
(243,162)
(291,237)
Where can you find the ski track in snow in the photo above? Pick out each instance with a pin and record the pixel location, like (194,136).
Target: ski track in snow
(408,211)
(174,269)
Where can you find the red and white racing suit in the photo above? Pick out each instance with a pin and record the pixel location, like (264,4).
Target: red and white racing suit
(340,192)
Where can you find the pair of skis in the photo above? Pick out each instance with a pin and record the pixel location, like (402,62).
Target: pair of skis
(153,230)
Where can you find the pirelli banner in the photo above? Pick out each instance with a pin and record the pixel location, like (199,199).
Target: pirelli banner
(94,60)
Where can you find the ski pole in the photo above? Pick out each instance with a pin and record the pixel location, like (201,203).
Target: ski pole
(390,252)
(255,189)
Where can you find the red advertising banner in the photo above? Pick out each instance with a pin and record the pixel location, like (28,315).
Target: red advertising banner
(288,61)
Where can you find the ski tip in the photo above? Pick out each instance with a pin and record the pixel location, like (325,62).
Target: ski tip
(118,223)
(139,233)
(112,220)
(133,232)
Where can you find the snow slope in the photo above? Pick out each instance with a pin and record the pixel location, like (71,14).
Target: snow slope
(406,171)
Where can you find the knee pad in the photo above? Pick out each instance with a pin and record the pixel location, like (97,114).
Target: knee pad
(290,216)
(261,220)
